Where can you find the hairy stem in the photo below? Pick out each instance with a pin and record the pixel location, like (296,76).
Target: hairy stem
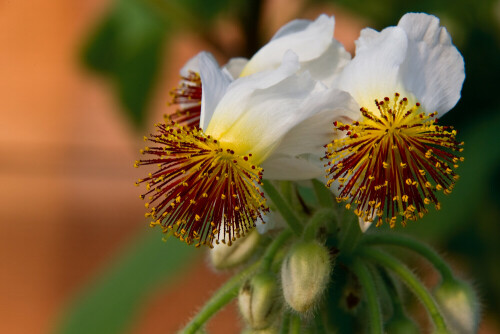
(414,245)
(410,280)
(273,248)
(283,207)
(219,299)
(320,217)
(295,324)
(370,292)
(323,194)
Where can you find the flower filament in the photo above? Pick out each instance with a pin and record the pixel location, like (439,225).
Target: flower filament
(187,95)
(393,162)
(201,192)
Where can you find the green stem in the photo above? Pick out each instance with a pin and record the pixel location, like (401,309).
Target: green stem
(319,325)
(285,323)
(414,245)
(370,292)
(323,194)
(319,218)
(286,189)
(219,299)
(295,324)
(350,234)
(409,279)
(274,247)
(395,297)
(283,207)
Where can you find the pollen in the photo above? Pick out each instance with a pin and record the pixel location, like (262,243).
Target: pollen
(392,164)
(187,97)
(201,192)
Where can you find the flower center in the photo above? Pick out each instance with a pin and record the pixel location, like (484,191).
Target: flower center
(392,163)
(201,192)
(188,98)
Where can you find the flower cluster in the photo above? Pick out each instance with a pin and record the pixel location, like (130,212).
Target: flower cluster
(302,109)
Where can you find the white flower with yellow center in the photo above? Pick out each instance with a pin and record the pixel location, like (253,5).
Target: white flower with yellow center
(206,187)
(312,41)
(395,158)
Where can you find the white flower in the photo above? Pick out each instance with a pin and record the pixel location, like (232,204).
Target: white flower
(318,52)
(207,186)
(395,158)
(416,58)
(188,94)
(277,115)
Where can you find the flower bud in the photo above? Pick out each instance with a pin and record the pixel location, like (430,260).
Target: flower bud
(305,273)
(258,300)
(223,256)
(459,306)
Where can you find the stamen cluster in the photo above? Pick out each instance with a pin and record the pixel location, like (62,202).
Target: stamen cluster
(393,162)
(187,95)
(200,191)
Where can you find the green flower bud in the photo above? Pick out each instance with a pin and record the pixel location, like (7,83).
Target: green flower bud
(223,256)
(258,300)
(305,273)
(459,306)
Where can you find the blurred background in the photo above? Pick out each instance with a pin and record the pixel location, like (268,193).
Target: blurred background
(83,81)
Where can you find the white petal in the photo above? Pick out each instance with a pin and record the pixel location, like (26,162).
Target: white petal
(309,40)
(433,69)
(323,108)
(292,27)
(364,225)
(373,72)
(192,65)
(273,221)
(327,67)
(282,167)
(269,115)
(241,114)
(214,83)
(234,66)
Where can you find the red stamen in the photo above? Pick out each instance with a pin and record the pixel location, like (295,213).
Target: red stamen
(394,163)
(188,98)
(201,191)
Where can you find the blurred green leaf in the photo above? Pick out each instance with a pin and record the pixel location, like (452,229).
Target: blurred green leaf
(206,10)
(109,305)
(127,47)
